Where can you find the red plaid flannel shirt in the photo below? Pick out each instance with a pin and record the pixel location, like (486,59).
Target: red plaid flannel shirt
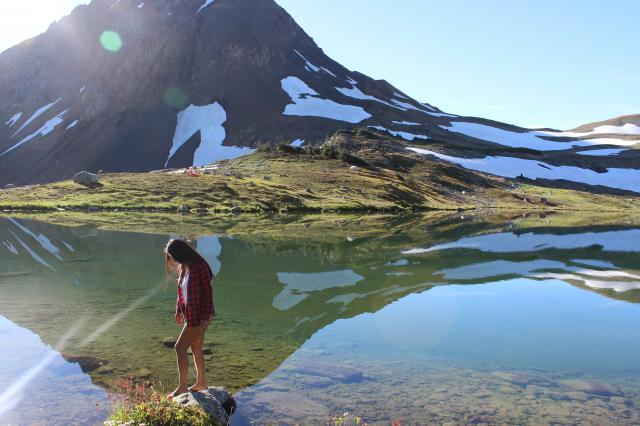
(199,306)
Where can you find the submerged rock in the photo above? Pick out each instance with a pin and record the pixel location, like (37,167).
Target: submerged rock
(169,342)
(87,363)
(521,379)
(293,405)
(590,386)
(336,372)
(216,402)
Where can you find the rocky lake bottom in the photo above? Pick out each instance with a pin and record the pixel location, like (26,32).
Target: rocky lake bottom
(447,321)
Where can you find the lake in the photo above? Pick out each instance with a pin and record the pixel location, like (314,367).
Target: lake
(459,319)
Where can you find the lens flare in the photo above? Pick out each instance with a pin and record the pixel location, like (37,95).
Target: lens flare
(111,41)
(176,98)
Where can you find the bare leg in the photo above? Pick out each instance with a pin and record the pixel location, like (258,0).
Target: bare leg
(187,336)
(198,359)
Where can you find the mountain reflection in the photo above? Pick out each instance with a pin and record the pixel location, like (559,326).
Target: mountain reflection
(274,289)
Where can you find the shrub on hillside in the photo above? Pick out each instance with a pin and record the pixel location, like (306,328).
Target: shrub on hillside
(265,147)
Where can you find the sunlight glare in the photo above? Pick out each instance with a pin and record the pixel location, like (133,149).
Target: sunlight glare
(14,393)
(23,19)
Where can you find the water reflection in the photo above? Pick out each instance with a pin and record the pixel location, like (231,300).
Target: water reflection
(37,383)
(349,315)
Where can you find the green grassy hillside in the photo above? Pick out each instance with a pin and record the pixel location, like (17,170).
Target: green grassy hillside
(388,178)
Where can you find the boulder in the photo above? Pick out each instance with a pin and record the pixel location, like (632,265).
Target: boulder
(216,402)
(355,168)
(86,178)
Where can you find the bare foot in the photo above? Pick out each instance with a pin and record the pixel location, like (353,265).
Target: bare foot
(198,387)
(178,391)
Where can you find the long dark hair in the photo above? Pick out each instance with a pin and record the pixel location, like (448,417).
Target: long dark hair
(181,252)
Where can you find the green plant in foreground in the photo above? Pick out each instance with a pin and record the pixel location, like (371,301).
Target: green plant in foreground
(158,411)
(137,406)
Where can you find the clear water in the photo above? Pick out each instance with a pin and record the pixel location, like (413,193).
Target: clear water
(431,321)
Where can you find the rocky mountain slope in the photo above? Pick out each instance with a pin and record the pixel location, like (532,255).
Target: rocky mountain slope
(133,86)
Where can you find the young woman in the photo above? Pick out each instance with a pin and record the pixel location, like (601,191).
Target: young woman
(194,309)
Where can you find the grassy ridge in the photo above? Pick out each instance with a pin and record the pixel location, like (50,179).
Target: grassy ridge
(305,182)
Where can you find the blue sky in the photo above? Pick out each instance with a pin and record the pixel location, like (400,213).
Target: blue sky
(528,62)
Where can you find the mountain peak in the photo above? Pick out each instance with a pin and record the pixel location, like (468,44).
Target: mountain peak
(133,85)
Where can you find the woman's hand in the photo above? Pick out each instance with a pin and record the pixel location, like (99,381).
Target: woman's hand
(179,318)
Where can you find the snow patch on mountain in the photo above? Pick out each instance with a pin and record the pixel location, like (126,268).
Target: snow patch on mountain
(308,65)
(208,120)
(297,142)
(329,72)
(141,5)
(441,114)
(626,179)
(36,114)
(403,135)
(406,123)
(407,106)
(13,120)
(509,138)
(356,93)
(351,81)
(425,108)
(306,104)
(602,152)
(311,67)
(610,141)
(72,125)
(206,3)
(626,129)
(46,128)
